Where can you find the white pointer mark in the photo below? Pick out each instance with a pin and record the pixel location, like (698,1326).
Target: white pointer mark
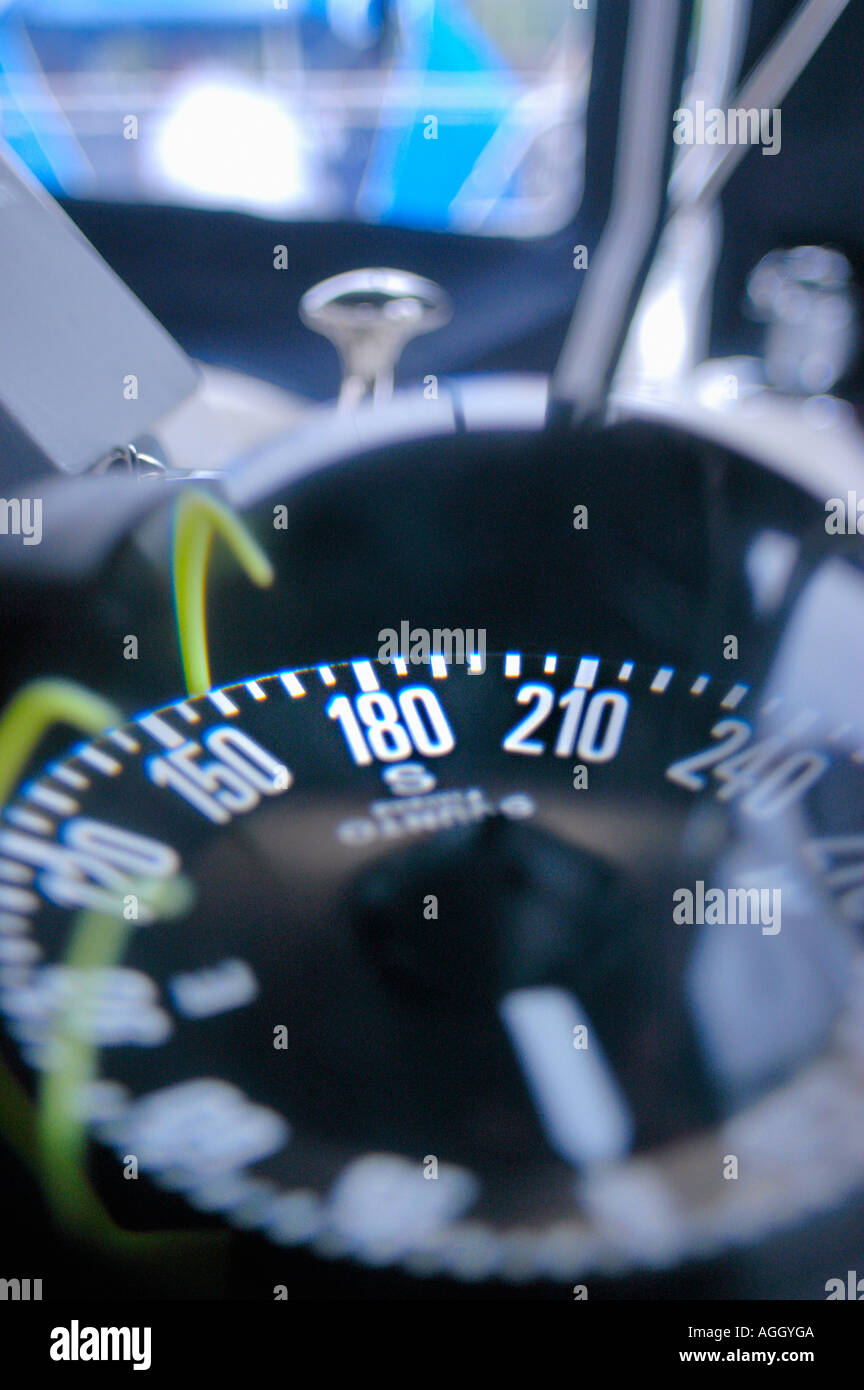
(580,1106)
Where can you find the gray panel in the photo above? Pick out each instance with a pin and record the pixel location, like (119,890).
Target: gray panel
(71,335)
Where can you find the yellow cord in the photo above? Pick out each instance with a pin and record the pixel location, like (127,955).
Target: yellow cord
(50,1137)
(34,709)
(97,943)
(197,518)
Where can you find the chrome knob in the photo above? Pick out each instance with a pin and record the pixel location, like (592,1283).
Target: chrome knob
(805,296)
(369,316)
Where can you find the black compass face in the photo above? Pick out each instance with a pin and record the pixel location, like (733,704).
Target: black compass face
(484,968)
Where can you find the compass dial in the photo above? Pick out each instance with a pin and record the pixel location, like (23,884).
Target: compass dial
(492,969)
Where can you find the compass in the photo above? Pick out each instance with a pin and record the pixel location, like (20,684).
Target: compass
(528,951)
(431,999)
